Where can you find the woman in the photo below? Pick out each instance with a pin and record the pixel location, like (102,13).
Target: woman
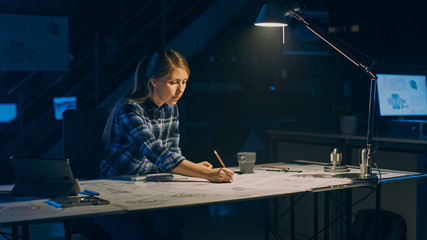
(142,136)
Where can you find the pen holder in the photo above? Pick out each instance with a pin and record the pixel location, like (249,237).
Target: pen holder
(246,161)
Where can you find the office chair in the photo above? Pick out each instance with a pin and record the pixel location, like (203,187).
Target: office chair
(82,134)
(392,225)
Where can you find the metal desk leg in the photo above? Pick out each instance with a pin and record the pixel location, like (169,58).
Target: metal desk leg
(67,229)
(378,211)
(293,217)
(25,232)
(267,215)
(14,232)
(315,216)
(326,222)
(421,197)
(349,198)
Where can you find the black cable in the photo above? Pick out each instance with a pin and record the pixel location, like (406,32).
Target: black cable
(375,163)
(334,202)
(379,171)
(323,229)
(301,3)
(360,200)
(338,209)
(373,62)
(281,201)
(353,204)
(276,220)
(276,235)
(342,213)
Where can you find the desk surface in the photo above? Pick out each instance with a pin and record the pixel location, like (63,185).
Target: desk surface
(126,196)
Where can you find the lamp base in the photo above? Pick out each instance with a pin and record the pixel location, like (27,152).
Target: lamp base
(371,178)
(335,168)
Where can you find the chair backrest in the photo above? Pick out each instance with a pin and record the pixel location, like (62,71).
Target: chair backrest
(392,225)
(83,145)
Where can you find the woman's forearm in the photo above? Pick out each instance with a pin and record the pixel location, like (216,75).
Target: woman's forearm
(191,169)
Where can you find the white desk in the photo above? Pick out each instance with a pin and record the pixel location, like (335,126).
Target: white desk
(125,196)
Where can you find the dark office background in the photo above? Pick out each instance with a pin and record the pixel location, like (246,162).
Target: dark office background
(243,81)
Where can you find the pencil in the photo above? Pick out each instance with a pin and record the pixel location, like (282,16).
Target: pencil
(282,168)
(219,158)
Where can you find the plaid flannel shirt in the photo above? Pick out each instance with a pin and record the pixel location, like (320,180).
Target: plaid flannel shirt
(144,139)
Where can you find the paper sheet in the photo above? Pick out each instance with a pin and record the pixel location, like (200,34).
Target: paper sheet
(125,196)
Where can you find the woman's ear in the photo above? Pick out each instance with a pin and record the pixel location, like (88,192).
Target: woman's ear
(153,82)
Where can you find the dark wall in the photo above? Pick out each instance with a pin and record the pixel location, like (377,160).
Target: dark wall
(247,80)
(253,76)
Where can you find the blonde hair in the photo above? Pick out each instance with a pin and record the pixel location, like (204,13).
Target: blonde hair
(159,65)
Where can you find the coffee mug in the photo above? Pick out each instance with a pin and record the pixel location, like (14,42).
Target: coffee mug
(246,161)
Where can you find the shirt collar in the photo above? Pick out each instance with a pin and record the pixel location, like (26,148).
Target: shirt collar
(152,107)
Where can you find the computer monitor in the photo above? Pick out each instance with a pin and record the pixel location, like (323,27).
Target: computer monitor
(8,112)
(402,95)
(61,104)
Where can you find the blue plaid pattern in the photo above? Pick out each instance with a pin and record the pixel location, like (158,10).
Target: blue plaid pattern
(144,139)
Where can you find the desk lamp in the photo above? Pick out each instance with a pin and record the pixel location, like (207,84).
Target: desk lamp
(269,16)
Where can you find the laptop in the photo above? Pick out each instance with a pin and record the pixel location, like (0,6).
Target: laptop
(43,177)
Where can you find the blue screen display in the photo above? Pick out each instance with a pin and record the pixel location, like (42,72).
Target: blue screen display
(8,112)
(402,95)
(63,103)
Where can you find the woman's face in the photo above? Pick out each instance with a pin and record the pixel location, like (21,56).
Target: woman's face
(170,88)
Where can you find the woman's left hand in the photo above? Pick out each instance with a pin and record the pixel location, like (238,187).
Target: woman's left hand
(205,164)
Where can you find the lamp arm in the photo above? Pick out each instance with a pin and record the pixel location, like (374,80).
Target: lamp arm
(372,76)
(335,46)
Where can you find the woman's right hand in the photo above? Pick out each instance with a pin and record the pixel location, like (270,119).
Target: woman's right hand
(220,175)
(216,175)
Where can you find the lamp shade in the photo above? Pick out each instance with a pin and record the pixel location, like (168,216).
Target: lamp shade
(271,15)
